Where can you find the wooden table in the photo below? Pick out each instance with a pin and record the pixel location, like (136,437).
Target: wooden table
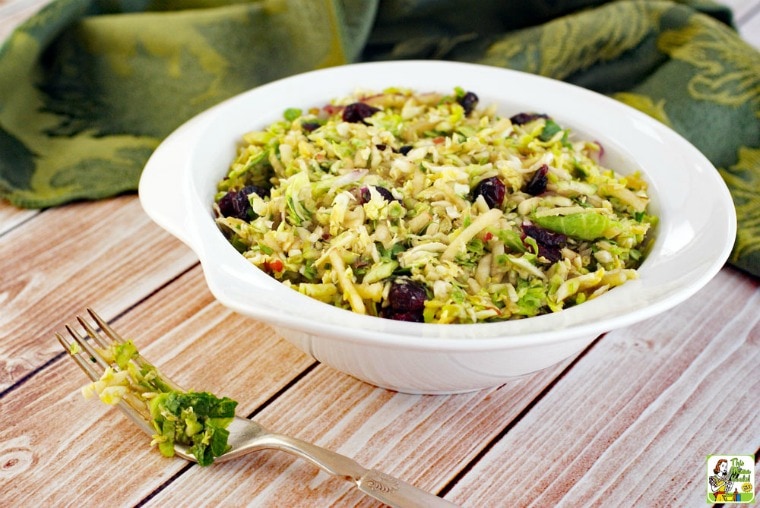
(628,422)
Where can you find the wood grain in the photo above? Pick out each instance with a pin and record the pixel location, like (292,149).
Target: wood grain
(14,12)
(76,256)
(423,439)
(95,451)
(627,423)
(642,407)
(250,364)
(11,217)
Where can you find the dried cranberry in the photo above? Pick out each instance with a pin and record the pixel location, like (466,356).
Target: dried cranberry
(544,236)
(537,183)
(469,102)
(236,203)
(358,111)
(523,118)
(552,254)
(492,189)
(385,193)
(400,315)
(407,295)
(310,126)
(550,243)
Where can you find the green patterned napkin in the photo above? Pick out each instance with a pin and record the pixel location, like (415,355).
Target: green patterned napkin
(88,88)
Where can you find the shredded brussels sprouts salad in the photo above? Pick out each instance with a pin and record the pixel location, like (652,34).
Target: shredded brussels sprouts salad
(198,420)
(426,207)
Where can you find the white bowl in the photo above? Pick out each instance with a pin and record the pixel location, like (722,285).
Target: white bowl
(694,237)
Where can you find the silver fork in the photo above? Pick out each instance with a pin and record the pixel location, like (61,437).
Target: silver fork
(246,436)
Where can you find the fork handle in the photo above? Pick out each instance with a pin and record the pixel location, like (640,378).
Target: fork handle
(383,487)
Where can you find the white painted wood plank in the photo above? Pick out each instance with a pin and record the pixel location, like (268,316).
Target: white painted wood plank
(59,449)
(10,217)
(102,457)
(750,29)
(14,12)
(747,18)
(740,8)
(107,254)
(426,440)
(632,423)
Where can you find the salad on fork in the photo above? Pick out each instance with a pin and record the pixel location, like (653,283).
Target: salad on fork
(200,426)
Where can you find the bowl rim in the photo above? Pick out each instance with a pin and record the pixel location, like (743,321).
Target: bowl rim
(224,267)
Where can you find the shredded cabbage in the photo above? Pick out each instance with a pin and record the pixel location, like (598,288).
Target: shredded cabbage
(493,217)
(196,419)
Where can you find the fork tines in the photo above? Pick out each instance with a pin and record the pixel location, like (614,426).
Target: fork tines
(84,344)
(91,361)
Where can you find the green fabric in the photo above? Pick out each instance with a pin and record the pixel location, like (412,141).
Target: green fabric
(88,88)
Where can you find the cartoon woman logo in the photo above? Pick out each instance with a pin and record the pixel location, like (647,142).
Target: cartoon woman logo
(720,483)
